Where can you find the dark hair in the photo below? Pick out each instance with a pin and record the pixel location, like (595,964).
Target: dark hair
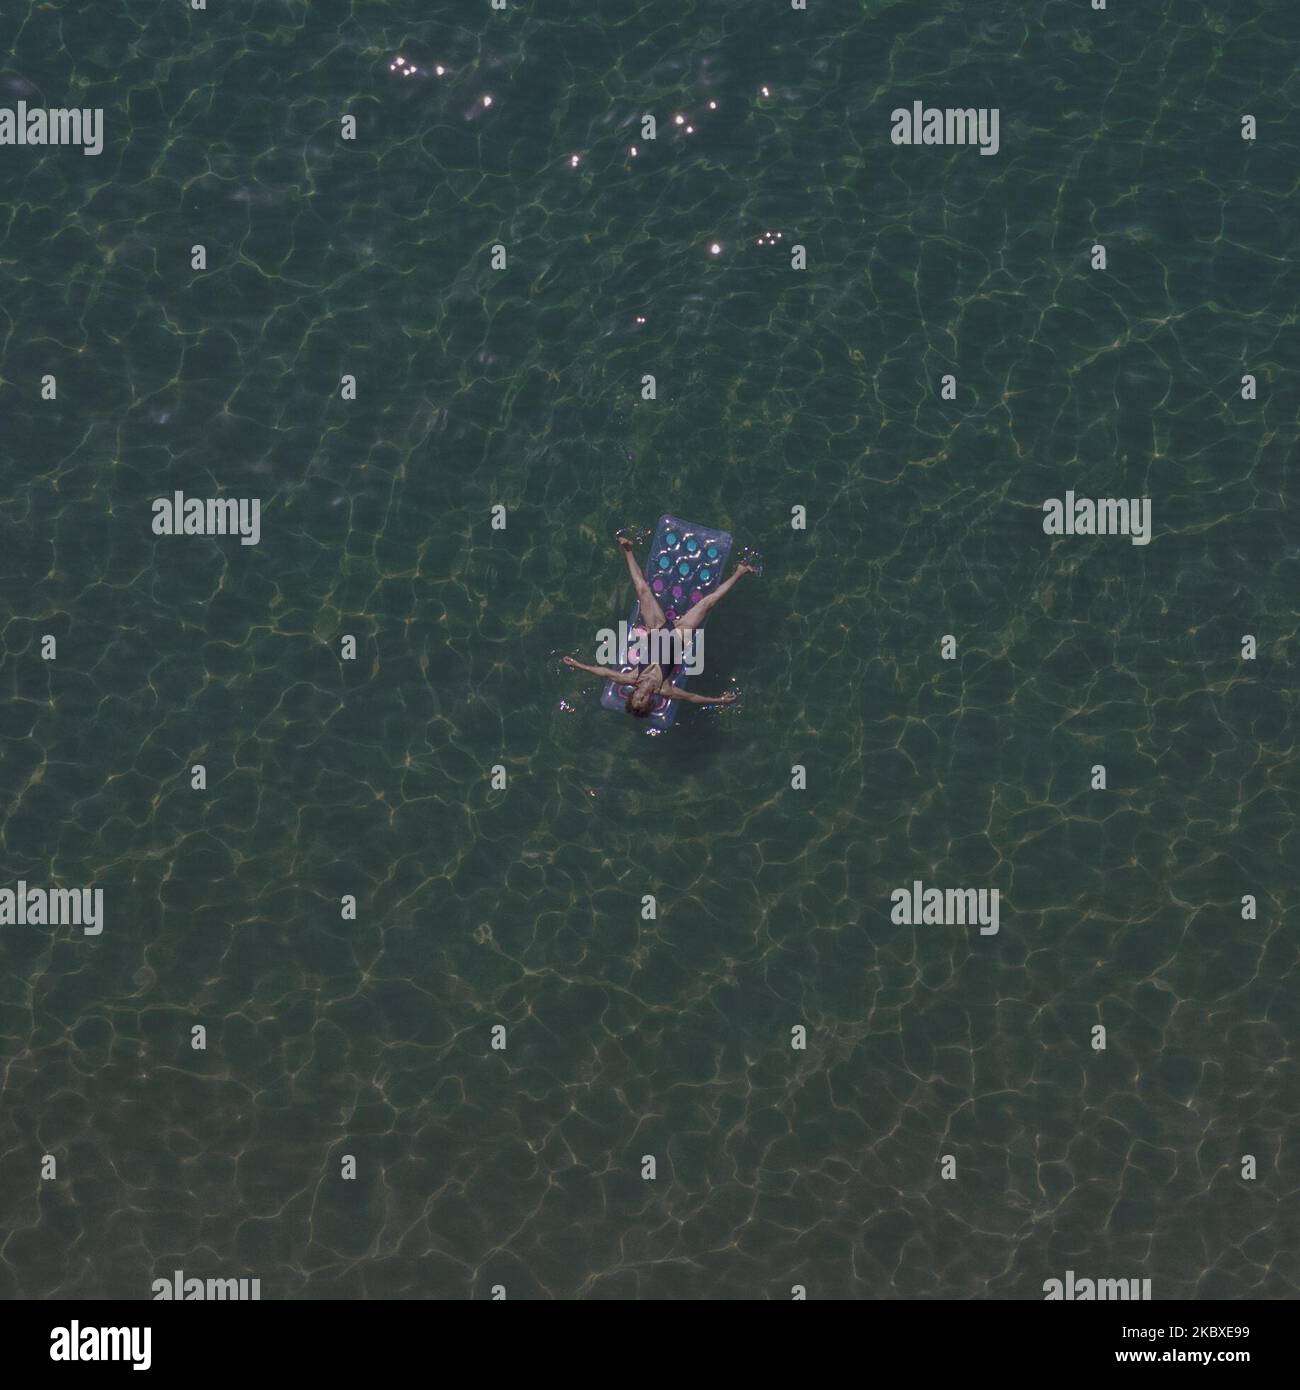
(637,713)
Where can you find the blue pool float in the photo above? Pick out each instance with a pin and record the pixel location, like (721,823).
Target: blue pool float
(669,534)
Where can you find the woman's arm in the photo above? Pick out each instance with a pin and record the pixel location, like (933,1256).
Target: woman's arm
(672,693)
(604,672)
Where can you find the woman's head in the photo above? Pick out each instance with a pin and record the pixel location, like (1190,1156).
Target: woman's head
(640,702)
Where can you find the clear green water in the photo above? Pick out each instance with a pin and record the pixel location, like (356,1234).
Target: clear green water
(776,389)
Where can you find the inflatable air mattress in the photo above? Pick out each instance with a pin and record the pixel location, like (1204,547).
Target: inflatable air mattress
(686,562)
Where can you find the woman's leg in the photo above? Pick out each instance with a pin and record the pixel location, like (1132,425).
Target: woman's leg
(693,617)
(651,614)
